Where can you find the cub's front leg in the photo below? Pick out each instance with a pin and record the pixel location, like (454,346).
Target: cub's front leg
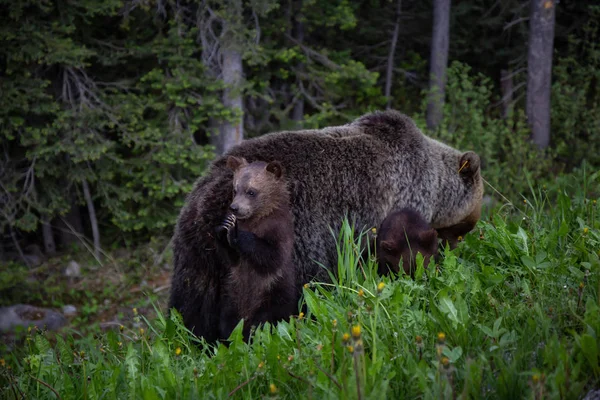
(228,230)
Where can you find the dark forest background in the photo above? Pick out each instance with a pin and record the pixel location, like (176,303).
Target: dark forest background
(110,110)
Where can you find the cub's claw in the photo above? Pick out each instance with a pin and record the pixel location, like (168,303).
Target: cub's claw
(226,226)
(232,232)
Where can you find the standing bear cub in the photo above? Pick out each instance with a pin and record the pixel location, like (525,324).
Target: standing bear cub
(401,235)
(260,234)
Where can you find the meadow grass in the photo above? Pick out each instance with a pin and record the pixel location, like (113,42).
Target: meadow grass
(512,313)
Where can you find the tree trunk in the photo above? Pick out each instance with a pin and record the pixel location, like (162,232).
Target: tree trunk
(71,225)
(539,70)
(298,111)
(18,247)
(93,220)
(390,62)
(506,83)
(49,244)
(231,133)
(440,43)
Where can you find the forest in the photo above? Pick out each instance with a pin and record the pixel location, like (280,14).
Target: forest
(111,110)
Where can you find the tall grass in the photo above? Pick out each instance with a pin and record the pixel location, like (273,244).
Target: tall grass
(512,313)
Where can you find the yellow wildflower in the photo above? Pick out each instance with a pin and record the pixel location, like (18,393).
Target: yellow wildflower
(272,388)
(356,331)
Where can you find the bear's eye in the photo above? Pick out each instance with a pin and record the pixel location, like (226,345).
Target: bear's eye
(234,192)
(251,192)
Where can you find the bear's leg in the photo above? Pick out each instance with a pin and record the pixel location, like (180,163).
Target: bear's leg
(229,318)
(264,256)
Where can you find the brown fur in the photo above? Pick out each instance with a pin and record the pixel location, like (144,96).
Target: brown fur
(262,283)
(402,235)
(363,170)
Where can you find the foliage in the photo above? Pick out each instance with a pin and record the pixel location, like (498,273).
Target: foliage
(509,162)
(116,108)
(513,312)
(124,96)
(318,70)
(576,97)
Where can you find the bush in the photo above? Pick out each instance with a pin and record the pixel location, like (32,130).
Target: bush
(510,163)
(576,98)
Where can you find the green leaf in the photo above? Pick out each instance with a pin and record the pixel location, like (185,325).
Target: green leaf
(447,307)
(589,348)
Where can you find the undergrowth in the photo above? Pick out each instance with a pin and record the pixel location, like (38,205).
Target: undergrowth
(512,313)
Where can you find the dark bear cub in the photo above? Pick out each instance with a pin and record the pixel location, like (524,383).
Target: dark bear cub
(260,232)
(402,235)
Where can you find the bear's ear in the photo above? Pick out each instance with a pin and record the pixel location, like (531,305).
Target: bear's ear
(469,164)
(429,236)
(388,245)
(275,168)
(234,163)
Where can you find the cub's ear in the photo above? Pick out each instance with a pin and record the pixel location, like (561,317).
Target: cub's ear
(234,163)
(430,236)
(388,245)
(275,168)
(469,164)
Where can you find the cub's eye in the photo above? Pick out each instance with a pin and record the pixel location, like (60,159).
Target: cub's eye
(251,192)
(234,192)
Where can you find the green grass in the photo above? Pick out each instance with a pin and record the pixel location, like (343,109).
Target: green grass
(512,313)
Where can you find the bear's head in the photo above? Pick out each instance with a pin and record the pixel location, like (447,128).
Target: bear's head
(402,235)
(461,197)
(258,188)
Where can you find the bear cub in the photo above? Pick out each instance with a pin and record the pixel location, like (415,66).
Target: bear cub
(260,232)
(401,235)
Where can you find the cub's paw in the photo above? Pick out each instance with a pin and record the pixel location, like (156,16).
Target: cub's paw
(232,231)
(222,231)
(228,230)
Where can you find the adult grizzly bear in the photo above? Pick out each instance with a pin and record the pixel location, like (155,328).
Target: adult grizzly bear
(365,169)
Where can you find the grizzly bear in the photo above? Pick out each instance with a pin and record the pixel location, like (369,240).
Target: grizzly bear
(400,237)
(260,230)
(362,170)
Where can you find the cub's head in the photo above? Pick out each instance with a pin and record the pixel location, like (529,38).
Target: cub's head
(401,236)
(258,188)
